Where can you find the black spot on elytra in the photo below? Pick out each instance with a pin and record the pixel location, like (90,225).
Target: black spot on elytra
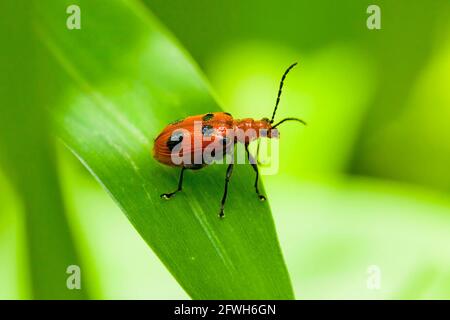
(208,117)
(207,130)
(228,114)
(174,139)
(177,121)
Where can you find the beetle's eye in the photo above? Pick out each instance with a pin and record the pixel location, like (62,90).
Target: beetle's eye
(274,133)
(265,119)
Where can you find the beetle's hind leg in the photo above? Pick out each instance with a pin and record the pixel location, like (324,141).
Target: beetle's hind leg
(167,196)
(251,160)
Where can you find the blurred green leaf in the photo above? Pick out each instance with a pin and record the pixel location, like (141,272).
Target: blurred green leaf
(126,79)
(330,245)
(27,155)
(13,277)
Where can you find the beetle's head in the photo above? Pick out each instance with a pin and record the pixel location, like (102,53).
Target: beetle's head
(272,131)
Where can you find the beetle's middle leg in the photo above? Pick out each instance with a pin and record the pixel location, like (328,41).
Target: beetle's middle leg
(167,196)
(225,191)
(251,160)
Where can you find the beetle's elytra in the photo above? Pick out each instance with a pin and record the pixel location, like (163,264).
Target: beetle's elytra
(214,130)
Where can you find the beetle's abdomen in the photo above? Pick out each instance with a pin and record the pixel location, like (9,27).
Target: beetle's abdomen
(189,139)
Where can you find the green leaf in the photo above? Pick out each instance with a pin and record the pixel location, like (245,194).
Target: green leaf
(125,78)
(27,157)
(403,230)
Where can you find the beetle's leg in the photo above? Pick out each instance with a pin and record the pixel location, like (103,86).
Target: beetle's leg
(225,191)
(257,153)
(167,196)
(255,167)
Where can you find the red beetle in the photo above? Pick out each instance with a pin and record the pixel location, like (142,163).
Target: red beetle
(213,130)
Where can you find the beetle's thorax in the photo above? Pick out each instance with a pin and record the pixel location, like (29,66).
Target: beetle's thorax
(249,129)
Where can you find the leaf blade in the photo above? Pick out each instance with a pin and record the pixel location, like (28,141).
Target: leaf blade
(116,109)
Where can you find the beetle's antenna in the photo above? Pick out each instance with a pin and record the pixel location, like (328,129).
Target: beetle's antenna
(288,119)
(279,90)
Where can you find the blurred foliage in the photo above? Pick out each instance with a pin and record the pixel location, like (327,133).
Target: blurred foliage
(365,183)
(330,245)
(27,157)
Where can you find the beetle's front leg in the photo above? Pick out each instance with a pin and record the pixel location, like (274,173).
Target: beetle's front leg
(255,167)
(225,191)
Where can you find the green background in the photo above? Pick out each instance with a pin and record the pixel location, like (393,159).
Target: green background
(366,183)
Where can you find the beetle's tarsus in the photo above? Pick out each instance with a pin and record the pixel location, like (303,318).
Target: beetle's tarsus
(167,196)
(261,197)
(221,214)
